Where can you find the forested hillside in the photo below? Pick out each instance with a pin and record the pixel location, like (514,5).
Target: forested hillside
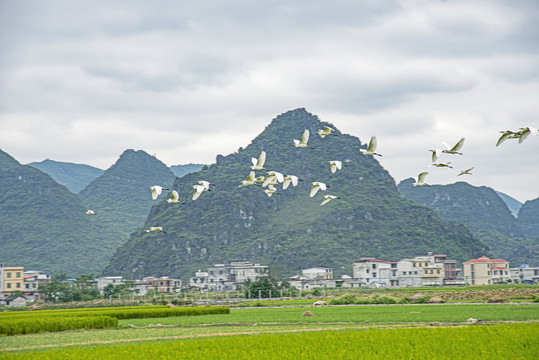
(122,196)
(43,226)
(483,211)
(290,229)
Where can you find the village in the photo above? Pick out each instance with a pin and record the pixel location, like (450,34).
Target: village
(19,286)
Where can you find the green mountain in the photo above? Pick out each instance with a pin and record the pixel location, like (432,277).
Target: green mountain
(181,170)
(289,229)
(481,210)
(44,226)
(528,219)
(122,197)
(74,176)
(513,204)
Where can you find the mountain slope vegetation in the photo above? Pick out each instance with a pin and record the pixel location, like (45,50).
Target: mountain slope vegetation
(481,210)
(289,229)
(122,197)
(44,226)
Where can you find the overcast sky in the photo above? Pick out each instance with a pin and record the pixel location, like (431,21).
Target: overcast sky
(81,81)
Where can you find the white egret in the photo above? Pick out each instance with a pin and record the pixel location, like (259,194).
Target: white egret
(454,149)
(290,179)
(199,189)
(251,180)
(373,143)
(156,191)
(524,132)
(175,198)
(325,132)
(270,190)
(273,177)
(156,228)
(507,134)
(466,172)
(258,164)
(317,186)
(90,212)
(435,154)
(420,181)
(328,198)
(302,143)
(440,164)
(335,165)
(205,185)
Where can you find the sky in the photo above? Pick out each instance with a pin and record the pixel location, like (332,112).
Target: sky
(82,81)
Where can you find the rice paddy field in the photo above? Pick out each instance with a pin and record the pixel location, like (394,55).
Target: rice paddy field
(332,332)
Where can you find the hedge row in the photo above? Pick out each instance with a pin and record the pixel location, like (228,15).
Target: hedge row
(13,326)
(121,313)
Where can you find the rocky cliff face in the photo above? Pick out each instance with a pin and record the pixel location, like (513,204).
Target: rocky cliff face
(289,229)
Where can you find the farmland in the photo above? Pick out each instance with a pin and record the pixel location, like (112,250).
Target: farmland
(282,328)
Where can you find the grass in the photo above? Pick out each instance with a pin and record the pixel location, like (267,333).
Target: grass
(509,341)
(241,321)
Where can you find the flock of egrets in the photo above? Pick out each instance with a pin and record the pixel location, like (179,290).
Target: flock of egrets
(274,178)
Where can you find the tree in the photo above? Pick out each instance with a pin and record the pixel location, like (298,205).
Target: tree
(264,287)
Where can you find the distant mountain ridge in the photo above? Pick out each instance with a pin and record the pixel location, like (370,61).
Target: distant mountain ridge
(513,204)
(74,176)
(182,170)
(482,211)
(290,229)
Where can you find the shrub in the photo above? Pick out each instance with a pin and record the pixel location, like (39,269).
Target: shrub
(14,326)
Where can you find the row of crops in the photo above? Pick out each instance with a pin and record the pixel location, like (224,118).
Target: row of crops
(26,322)
(507,341)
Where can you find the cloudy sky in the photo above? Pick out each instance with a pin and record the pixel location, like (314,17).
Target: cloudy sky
(81,81)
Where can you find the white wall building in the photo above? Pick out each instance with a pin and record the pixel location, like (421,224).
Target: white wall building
(373,272)
(223,277)
(524,274)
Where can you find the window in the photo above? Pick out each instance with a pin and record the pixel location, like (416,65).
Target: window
(18,274)
(8,274)
(373,274)
(18,285)
(374,266)
(438,271)
(9,285)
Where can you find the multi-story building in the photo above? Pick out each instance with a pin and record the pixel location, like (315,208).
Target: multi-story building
(12,279)
(163,284)
(223,277)
(33,281)
(318,273)
(106,280)
(524,274)
(486,271)
(375,272)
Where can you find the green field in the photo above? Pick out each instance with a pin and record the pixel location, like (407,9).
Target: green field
(178,334)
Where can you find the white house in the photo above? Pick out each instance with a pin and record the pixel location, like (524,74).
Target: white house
(371,271)
(524,274)
(318,273)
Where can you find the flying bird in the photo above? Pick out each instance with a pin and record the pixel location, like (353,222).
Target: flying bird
(328,198)
(435,154)
(371,148)
(317,186)
(454,149)
(290,179)
(90,212)
(325,132)
(440,164)
(420,181)
(270,190)
(524,132)
(302,143)
(156,191)
(205,185)
(272,178)
(199,189)
(466,172)
(175,198)
(251,180)
(335,165)
(258,164)
(507,134)
(156,228)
